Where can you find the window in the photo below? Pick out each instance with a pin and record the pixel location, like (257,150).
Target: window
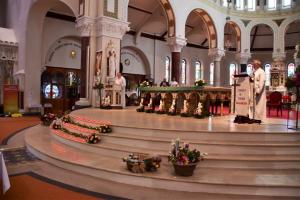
(183,71)
(240,4)
(249,69)
(211,73)
(251,5)
(291,69)
(167,63)
(232,71)
(286,3)
(272,4)
(198,74)
(268,74)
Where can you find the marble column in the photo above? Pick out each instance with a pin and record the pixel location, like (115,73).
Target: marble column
(217,55)
(176,44)
(85,26)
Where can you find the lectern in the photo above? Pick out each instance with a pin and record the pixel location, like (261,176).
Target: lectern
(114,92)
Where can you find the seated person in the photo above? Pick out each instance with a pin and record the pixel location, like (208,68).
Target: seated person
(164,83)
(174,83)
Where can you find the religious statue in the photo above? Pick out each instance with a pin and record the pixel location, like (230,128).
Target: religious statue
(172,108)
(98,63)
(111,60)
(185,107)
(161,105)
(199,109)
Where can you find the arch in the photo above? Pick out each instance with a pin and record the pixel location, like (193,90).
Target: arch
(32,45)
(210,26)
(284,27)
(238,33)
(170,17)
(143,57)
(273,30)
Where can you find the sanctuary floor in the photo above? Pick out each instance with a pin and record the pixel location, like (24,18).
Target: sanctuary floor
(130,118)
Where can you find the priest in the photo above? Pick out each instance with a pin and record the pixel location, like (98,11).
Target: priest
(259,78)
(120,80)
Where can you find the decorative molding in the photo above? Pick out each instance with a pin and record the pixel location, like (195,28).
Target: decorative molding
(216,54)
(85,25)
(246,22)
(279,21)
(243,58)
(278,55)
(110,27)
(176,43)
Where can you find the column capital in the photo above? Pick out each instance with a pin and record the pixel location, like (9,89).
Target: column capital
(85,25)
(278,56)
(243,58)
(176,43)
(216,54)
(111,27)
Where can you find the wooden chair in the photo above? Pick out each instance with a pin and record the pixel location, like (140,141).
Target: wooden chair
(275,101)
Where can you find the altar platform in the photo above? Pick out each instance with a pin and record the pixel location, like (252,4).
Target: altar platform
(245,161)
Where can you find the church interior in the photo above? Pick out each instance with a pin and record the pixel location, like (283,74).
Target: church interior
(150,99)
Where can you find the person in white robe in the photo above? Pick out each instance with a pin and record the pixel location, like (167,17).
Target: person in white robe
(259,91)
(120,80)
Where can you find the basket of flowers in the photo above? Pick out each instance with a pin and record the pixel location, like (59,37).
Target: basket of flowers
(93,139)
(183,159)
(200,83)
(105,129)
(48,118)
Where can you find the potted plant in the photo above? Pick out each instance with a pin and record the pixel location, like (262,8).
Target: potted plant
(48,118)
(183,159)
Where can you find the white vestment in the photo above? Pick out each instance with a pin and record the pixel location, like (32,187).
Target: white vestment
(260,109)
(122,82)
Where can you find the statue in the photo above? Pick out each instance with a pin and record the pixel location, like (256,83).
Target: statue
(199,109)
(185,107)
(172,108)
(161,105)
(111,60)
(98,63)
(297,53)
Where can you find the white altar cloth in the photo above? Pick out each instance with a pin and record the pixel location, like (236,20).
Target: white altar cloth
(4,175)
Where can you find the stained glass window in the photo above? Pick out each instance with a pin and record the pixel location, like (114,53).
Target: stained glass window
(211,73)
(183,71)
(167,66)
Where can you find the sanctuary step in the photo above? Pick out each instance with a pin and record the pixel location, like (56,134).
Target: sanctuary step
(267,183)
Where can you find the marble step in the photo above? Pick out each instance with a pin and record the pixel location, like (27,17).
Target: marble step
(263,183)
(288,162)
(220,147)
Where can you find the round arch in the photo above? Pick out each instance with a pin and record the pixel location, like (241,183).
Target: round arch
(271,29)
(142,56)
(32,58)
(238,33)
(210,26)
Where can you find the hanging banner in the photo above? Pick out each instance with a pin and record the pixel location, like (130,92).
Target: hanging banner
(10,98)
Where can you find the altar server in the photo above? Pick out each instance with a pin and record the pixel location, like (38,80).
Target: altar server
(259,79)
(120,80)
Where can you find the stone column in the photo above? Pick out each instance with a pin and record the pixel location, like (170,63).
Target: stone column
(85,26)
(176,44)
(217,55)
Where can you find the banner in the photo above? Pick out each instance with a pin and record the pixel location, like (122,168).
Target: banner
(10,98)
(242,96)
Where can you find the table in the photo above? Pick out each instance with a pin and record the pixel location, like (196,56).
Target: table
(4,175)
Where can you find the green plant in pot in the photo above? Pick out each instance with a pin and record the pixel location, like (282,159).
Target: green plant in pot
(183,159)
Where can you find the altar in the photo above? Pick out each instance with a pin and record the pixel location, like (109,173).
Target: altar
(176,99)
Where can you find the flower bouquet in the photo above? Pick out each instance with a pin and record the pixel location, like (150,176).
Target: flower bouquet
(105,129)
(183,159)
(145,84)
(57,124)
(48,118)
(93,139)
(200,83)
(139,163)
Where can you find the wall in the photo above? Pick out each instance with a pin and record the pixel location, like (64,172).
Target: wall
(3,9)
(191,55)
(133,62)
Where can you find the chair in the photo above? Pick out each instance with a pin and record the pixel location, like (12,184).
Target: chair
(275,101)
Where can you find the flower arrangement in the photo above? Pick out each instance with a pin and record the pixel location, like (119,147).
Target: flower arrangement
(182,155)
(139,163)
(145,84)
(98,86)
(200,83)
(293,81)
(57,124)
(48,118)
(93,139)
